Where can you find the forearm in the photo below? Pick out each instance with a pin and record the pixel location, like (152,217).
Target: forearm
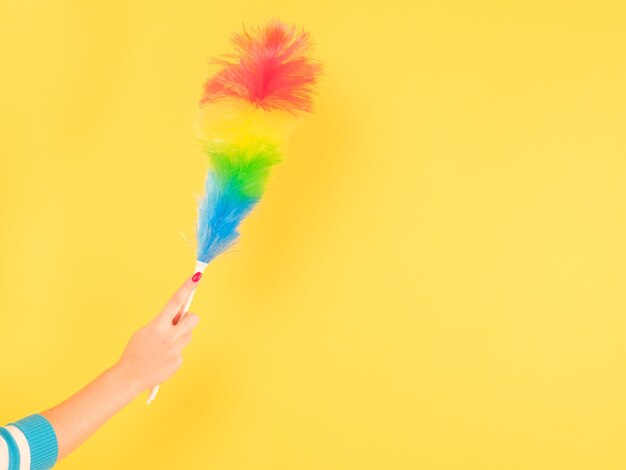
(151,356)
(81,415)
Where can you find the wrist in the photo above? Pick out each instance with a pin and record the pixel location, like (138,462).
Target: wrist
(127,381)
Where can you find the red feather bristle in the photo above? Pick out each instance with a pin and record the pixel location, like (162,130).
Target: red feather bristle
(270,68)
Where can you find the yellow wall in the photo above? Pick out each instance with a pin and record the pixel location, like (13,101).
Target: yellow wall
(434,279)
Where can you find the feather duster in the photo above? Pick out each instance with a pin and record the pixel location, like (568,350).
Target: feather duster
(247,110)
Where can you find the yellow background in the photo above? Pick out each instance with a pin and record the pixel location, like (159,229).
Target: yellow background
(434,279)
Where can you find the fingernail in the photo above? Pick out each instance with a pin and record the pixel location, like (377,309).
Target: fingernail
(196,277)
(176,318)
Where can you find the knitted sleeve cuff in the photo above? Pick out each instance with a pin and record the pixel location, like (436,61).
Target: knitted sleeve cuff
(42,440)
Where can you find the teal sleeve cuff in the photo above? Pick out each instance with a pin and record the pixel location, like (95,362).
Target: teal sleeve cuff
(42,440)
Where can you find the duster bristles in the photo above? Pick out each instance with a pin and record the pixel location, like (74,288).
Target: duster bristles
(247,109)
(270,69)
(234,185)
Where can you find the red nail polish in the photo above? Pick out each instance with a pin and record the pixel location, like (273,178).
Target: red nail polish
(176,318)
(196,277)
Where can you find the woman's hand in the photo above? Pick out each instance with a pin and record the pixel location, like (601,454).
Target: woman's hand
(153,353)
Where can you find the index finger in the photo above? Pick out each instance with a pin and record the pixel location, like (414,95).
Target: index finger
(176,303)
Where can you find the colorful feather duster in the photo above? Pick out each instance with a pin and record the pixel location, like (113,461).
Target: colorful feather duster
(247,110)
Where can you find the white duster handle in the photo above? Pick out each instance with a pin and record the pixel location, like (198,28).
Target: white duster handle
(200,267)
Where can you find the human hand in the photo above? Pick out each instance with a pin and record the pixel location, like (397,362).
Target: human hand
(153,353)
